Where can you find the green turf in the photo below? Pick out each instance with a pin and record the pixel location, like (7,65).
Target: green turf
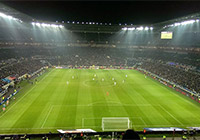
(51,104)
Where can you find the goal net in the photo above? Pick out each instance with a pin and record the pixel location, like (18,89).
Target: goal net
(116,123)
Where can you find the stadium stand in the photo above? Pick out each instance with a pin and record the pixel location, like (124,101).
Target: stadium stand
(177,61)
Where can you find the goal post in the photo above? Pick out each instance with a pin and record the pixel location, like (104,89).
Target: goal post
(116,123)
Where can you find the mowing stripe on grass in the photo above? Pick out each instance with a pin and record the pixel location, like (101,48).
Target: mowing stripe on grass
(23,96)
(170,114)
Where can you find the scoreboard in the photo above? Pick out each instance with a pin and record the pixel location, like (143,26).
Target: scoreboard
(166,35)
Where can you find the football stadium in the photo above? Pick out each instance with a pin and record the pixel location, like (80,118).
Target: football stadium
(95,80)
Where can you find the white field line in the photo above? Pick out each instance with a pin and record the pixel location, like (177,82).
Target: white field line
(143,121)
(54,127)
(47,116)
(170,115)
(23,96)
(177,95)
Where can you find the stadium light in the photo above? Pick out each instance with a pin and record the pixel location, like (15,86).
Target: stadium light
(125,28)
(197,20)
(9,17)
(146,28)
(151,28)
(140,28)
(187,22)
(47,25)
(131,29)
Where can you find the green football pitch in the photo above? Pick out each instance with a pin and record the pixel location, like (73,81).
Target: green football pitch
(75,99)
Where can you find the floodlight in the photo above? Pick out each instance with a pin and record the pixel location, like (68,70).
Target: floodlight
(131,29)
(151,28)
(140,28)
(187,22)
(177,24)
(125,28)
(7,16)
(146,28)
(38,24)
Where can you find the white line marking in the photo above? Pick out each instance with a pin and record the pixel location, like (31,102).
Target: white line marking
(170,115)
(23,96)
(143,121)
(47,116)
(177,94)
(57,127)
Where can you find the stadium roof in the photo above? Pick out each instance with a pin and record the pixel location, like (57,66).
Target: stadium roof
(94,26)
(136,13)
(14,13)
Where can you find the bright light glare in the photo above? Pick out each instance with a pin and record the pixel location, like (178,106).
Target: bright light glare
(140,28)
(47,25)
(146,28)
(131,29)
(125,28)
(187,22)
(9,17)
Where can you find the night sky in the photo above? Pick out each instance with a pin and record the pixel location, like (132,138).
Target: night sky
(115,12)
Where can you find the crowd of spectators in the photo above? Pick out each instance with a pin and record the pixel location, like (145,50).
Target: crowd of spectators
(18,68)
(178,67)
(182,77)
